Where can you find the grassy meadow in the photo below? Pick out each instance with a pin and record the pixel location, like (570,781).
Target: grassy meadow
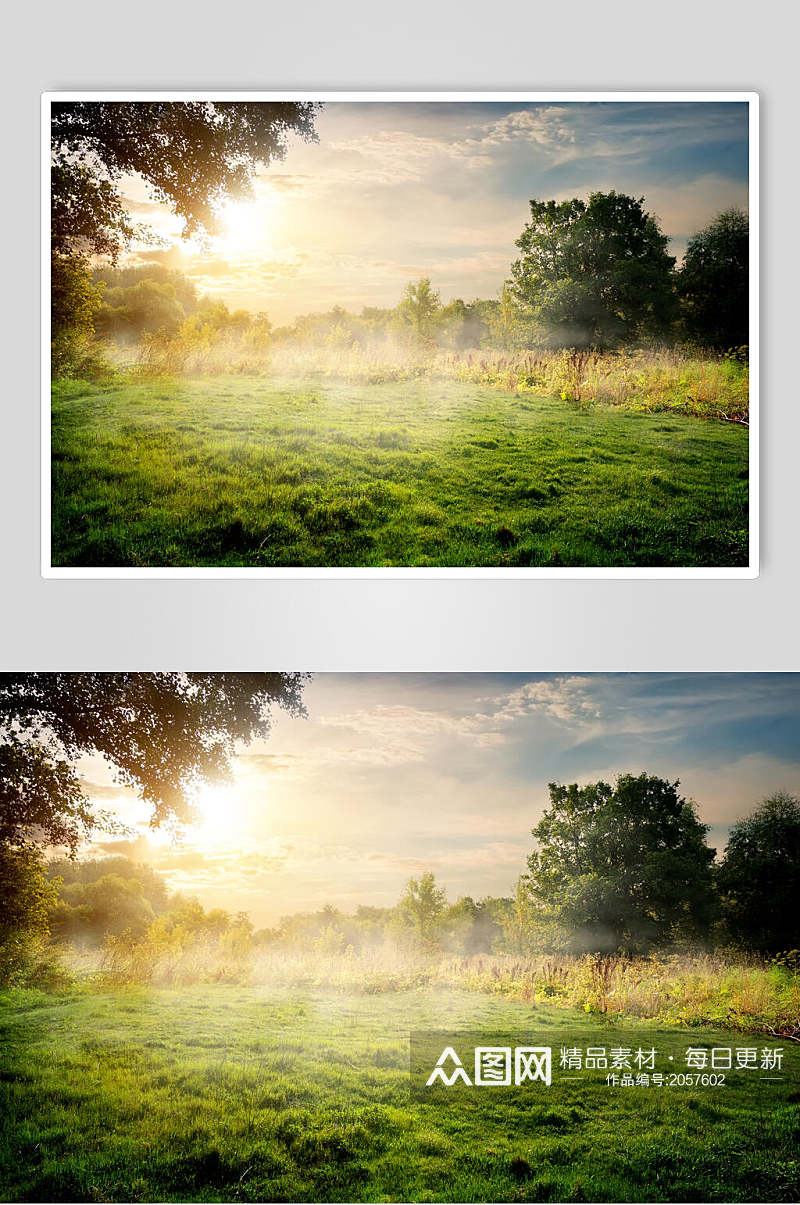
(225,1092)
(457,470)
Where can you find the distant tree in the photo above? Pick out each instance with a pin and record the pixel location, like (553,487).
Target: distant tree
(164,733)
(462,324)
(759,878)
(420,307)
(108,905)
(521,932)
(474,926)
(124,277)
(71,872)
(186,919)
(211,319)
(511,325)
(147,306)
(103,896)
(374,320)
(594,272)
(257,332)
(372,923)
(620,868)
(421,907)
(713,283)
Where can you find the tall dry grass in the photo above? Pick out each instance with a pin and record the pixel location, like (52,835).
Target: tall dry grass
(747,994)
(691,989)
(655,379)
(648,379)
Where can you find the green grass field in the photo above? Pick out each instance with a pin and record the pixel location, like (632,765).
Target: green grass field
(245,471)
(233,1093)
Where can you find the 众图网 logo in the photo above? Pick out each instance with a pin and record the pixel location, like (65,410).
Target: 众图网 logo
(469,1061)
(494,1066)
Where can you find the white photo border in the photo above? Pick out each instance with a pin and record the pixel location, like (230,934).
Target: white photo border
(751,98)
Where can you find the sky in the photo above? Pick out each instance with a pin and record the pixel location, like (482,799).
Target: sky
(392,775)
(395,191)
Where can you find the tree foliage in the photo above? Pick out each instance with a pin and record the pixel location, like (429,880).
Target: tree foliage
(714,283)
(75,301)
(474,926)
(27,893)
(759,879)
(623,867)
(140,300)
(145,307)
(26,898)
(108,905)
(594,272)
(164,733)
(464,324)
(104,896)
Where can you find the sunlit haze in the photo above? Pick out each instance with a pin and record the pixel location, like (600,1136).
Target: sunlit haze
(391,775)
(396,191)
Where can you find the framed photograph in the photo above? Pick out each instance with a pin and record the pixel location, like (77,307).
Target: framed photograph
(400,937)
(408,334)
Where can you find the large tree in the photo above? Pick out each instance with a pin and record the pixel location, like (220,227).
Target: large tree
(759,878)
(164,733)
(594,273)
(620,868)
(713,283)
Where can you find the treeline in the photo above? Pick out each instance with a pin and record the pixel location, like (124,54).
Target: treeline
(90,902)
(627,868)
(138,306)
(591,274)
(616,869)
(152,311)
(136,302)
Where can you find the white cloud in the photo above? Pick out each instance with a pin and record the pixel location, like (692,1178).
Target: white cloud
(548,128)
(569,700)
(398,733)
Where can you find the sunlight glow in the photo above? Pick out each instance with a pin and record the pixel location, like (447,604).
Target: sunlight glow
(220,817)
(247,225)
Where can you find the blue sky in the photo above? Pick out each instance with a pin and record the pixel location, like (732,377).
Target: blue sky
(394,191)
(394,774)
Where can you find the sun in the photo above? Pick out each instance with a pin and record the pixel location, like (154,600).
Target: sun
(246,226)
(219,816)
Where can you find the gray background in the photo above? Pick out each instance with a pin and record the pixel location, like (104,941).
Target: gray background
(390,624)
